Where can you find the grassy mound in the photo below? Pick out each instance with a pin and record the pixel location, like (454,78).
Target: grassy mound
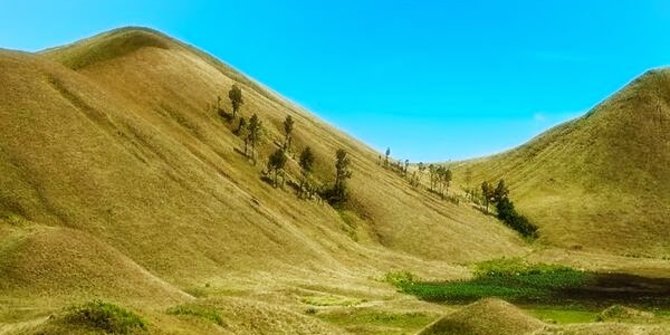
(485,317)
(106,317)
(49,261)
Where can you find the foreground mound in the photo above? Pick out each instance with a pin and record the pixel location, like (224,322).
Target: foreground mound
(61,261)
(485,317)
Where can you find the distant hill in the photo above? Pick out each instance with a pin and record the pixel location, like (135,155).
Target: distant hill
(600,182)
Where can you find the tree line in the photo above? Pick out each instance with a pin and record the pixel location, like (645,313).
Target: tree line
(439,176)
(439,181)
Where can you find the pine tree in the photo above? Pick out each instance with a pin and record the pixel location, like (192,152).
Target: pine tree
(306,165)
(235,96)
(342,173)
(276,164)
(288,130)
(254,131)
(386,159)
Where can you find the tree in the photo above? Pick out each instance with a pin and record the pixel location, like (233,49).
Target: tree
(421,167)
(501,192)
(487,191)
(388,153)
(342,173)
(431,175)
(276,164)
(288,130)
(447,176)
(306,162)
(406,166)
(254,131)
(241,127)
(235,95)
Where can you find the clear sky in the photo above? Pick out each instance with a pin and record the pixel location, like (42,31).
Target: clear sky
(434,80)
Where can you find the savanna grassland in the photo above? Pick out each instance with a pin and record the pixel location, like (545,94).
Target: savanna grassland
(129,203)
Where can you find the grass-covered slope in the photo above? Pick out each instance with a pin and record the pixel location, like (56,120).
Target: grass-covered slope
(111,157)
(599,182)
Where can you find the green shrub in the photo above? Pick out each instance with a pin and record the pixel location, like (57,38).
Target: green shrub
(106,317)
(401,278)
(508,214)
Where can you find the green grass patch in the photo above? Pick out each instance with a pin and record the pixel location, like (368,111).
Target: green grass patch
(106,317)
(509,279)
(201,312)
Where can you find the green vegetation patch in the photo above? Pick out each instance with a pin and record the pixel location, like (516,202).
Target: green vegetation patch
(106,317)
(511,280)
(201,312)
(544,285)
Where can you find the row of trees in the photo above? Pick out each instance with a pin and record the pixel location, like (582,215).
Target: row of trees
(440,176)
(252,132)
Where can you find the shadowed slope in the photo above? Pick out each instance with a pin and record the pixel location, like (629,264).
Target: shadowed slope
(600,181)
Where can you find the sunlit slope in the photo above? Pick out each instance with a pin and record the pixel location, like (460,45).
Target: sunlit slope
(114,140)
(601,181)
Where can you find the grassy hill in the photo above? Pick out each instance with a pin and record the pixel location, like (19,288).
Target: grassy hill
(121,181)
(599,182)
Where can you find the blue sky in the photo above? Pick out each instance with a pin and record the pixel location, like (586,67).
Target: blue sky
(434,80)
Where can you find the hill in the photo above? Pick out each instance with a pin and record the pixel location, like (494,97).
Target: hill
(122,181)
(599,182)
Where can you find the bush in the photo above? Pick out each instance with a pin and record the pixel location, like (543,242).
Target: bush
(400,279)
(205,313)
(106,317)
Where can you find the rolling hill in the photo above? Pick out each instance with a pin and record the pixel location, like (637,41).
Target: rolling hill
(599,182)
(121,181)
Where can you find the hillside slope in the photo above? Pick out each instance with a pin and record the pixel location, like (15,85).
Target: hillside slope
(112,142)
(600,182)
